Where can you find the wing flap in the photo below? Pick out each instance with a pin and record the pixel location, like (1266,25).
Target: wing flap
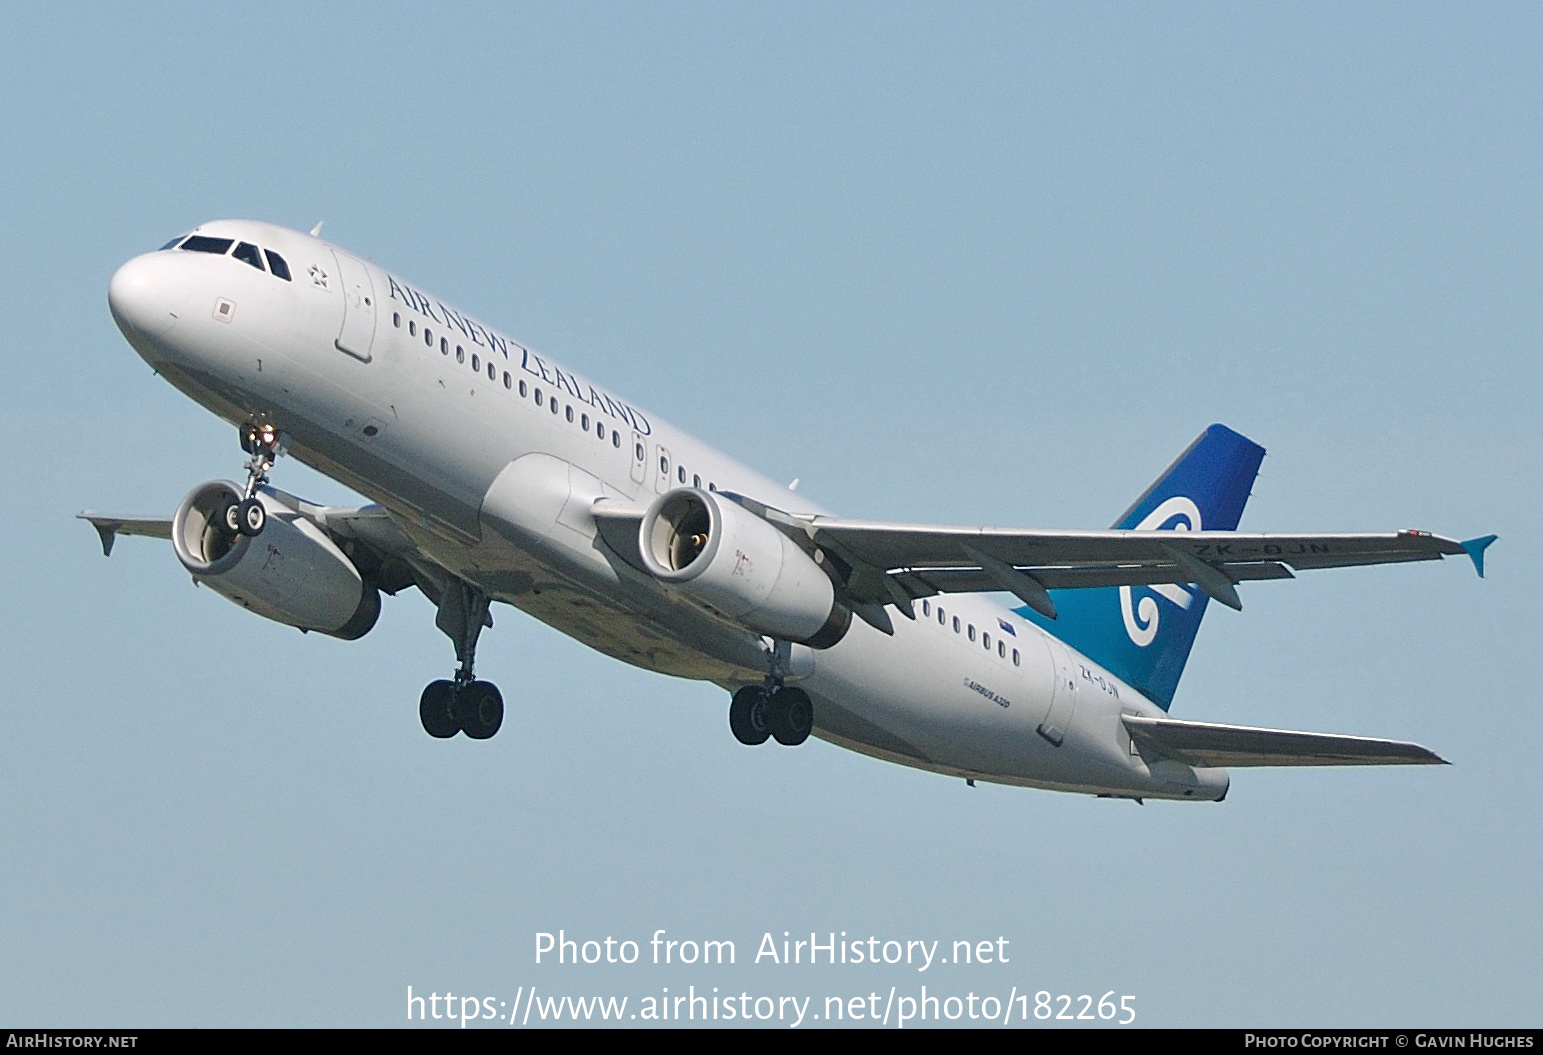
(923,582)
(1207,744)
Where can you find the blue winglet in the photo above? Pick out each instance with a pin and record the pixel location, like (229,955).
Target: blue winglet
(1475,548)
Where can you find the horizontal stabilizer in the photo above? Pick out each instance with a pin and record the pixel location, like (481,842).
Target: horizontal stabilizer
(1205,744)
(111,527)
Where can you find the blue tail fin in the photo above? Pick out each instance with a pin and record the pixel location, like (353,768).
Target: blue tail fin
(1143,634)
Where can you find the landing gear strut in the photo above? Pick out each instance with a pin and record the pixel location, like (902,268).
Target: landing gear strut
(463,705)
(246,515)
(782,712)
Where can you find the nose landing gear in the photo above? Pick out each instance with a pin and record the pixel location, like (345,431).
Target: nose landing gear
(464,705)
(247,515)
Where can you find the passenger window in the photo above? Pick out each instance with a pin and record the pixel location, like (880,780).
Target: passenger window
(664,464)
(956,624)
(584,422)
(475,365)
(444,346)
(680,473)
(940,615)
(1015,657)
(396,319)
(553,404)
(600,429)
(201,244)
(508,381)
(493,373)
(412,328)
(522,390)
(970,632)
(247,253)
(987,639)
(926,608)
(538,395)
(568,413)
(460,354)
(276,264)
(712,486)
(696,481)
(615,439)
(1002,649)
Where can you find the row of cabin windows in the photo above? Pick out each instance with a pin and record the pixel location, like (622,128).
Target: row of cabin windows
(969,630)
(680,471)
(509,382)
(245,252)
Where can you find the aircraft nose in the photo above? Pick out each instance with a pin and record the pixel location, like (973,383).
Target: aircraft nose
(147,295)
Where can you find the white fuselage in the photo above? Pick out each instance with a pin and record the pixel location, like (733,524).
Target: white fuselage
(388,390)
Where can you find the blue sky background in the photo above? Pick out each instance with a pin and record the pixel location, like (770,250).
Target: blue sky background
(980,264)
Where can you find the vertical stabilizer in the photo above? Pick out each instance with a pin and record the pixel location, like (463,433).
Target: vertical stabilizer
(1143,634)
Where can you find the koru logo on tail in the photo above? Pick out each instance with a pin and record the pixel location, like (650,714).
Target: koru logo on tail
(1141,619)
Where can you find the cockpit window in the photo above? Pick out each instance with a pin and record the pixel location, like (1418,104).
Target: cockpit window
(276,264)
(171,243)
(202,244)
(247,253)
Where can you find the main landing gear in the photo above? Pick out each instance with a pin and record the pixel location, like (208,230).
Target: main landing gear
(246,515)
(464,705)
(782,712)
(785,714)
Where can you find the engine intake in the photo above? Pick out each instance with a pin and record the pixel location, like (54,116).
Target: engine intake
(721,555)
(292,573)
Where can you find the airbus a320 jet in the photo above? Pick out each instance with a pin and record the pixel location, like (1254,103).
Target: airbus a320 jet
(496,474)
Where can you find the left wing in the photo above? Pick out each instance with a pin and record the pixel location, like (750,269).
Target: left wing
(884,564)
(915,561)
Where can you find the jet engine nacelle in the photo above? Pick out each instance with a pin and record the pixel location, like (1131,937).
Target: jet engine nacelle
(720,554)
(291,573)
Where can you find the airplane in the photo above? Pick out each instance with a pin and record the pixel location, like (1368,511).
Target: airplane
(495,474)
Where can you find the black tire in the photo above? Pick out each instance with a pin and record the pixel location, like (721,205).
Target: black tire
(747,716)
(479,707)
(791,716)
(228,516)
(436,710)
(252,516)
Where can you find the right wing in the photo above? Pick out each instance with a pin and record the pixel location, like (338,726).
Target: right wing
(1207,744)
(110,527)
